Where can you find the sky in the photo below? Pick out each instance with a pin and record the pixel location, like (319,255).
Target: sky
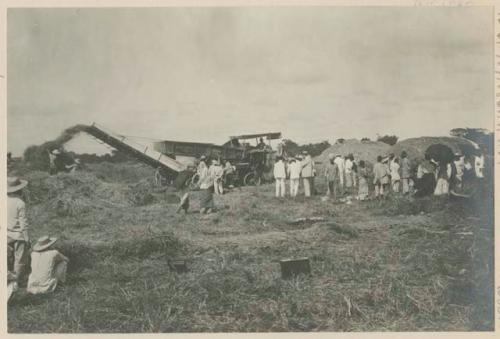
(203,74)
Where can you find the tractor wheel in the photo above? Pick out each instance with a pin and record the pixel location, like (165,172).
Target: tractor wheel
(251,180)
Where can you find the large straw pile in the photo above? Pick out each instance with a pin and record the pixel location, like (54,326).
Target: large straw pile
(361,150)
(37,155)
(74,194)
(416,147)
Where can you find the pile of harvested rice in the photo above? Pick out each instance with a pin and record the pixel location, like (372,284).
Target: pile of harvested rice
(361,150)
(416,147)
(72,194)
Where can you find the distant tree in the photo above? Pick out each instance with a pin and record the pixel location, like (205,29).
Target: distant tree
(313,149)
(458,132)
(292,147)
(340,141)
(365,139)
(388,139)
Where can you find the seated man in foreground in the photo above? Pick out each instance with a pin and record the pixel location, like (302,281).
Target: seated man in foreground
(48,267)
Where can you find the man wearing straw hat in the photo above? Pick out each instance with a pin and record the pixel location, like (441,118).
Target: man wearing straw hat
(17,226)
(48,267)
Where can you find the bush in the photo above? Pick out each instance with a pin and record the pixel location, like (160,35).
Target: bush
(388,139)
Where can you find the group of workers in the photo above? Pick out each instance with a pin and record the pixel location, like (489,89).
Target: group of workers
(348,179)
(212,179)
(39,267)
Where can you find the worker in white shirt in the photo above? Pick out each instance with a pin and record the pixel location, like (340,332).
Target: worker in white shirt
(294,174)
(17,227)
(217,172)
(48,267)
(279,172)
(479,165)
(307,173)
(339,160)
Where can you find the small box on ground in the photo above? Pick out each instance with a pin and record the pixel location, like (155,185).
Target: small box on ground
(293,267)
(178,265)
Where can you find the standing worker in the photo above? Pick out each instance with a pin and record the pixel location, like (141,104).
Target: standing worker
(340,163)
(52,161)
(405,172)
(332,176)
(307,173)
(279,172)
(294,174)
(158,177)
(217,172)
(207,188)
(460,168)
(202,169)
(363,190)
(348,170)
(229,173)
(426,177)
(380,177)
(395,177)
(17,227)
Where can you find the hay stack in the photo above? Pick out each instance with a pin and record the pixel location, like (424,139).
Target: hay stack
(37,155)
(416,147)
(362,150)
(73,194)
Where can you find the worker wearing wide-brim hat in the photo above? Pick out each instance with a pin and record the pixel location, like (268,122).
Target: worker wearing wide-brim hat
(17,226)
(48,266)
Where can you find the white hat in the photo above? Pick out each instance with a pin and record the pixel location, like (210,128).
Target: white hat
(43,243)
(55,151)
(15,184)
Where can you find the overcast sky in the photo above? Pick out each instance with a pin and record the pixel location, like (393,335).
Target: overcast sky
(202,74)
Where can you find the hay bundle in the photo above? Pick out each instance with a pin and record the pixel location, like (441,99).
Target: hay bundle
(73,194)
(126,172)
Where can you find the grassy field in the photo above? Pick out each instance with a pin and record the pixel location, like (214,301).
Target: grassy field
(394,265)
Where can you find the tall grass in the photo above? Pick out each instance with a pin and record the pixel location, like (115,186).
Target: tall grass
(394,265)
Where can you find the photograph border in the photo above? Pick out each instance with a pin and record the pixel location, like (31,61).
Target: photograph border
(5,4)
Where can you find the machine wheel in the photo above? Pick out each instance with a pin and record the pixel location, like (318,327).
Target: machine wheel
(251,180)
